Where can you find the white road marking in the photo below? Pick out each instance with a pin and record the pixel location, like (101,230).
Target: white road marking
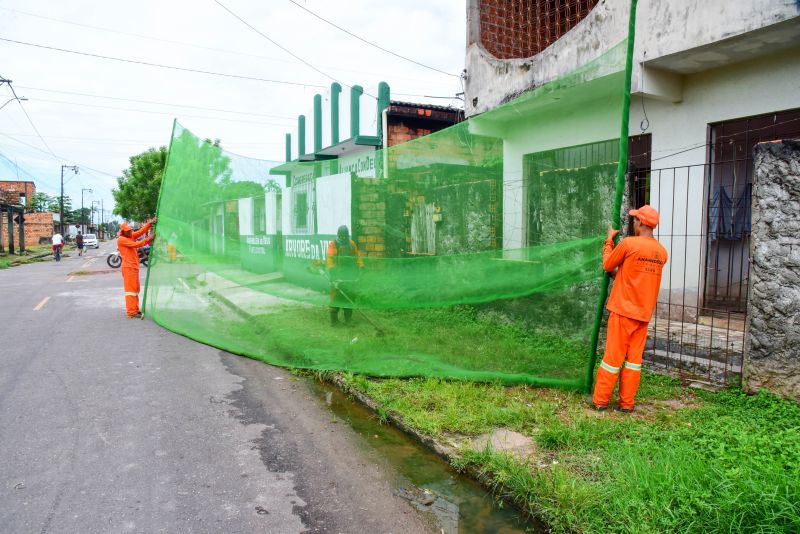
(41,304)
(70,279)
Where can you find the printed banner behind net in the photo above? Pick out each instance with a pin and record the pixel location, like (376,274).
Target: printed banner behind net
(479,246)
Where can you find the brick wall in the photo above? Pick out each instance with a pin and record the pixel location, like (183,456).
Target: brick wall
(514,29)
(10,190)
(37,225)
(370,217)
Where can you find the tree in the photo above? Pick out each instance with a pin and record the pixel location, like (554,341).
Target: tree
(40,202)
(54,205)
(137,193)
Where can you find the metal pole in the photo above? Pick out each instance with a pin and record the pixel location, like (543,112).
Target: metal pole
(61,208)
(619,187)
(21,226)
(10,230)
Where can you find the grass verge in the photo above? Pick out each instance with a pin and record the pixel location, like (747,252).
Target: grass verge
(686,461)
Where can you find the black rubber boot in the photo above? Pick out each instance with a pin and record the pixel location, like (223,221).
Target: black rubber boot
(334,316)
(348,315)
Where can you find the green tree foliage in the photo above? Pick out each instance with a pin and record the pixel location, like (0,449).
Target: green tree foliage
(40,202)
(137,193)
(54,205)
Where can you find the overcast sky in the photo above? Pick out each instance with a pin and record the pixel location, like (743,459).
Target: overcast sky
(99,133)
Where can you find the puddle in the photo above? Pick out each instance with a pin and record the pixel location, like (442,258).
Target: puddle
(457,503)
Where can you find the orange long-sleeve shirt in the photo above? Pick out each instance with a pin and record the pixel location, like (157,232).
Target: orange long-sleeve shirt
(331,258)
(127,247)
(640,261)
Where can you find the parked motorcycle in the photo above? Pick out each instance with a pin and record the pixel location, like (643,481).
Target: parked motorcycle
(114,260)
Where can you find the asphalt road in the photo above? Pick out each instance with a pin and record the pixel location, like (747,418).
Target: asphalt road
(109,424)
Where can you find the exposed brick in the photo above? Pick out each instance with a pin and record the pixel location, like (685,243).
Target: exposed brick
(523,28)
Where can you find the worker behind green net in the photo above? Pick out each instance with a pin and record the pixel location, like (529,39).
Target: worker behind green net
(344,263)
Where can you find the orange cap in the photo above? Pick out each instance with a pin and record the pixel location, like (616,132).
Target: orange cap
(647,214)
(125,227)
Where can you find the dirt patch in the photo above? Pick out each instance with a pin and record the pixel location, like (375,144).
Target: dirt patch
(506,441)
(89,273)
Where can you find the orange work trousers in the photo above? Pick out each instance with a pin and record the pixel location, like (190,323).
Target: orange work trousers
(625,341)
(130,281)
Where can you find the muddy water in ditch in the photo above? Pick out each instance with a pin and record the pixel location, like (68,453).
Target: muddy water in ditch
(456,504)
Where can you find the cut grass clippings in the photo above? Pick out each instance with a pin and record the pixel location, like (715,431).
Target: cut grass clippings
(686,461)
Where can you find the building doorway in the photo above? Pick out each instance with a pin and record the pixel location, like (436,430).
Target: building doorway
(729,202)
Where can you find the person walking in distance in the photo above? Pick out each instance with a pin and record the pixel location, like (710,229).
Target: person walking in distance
(640,260)
(127,245)
(79,243)
(58,244)
(344,262)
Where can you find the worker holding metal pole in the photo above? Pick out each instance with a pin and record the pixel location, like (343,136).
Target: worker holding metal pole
(639,260)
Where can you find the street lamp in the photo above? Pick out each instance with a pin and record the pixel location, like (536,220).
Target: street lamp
(19,98)
(73,168)
(83,216)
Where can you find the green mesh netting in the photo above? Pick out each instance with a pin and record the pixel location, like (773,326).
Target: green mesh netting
(481,244)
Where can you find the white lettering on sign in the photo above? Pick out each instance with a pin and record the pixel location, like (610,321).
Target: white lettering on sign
(257,251)
(259,240)
(363,166)
(306,249)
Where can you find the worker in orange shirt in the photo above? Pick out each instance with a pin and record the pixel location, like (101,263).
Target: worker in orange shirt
(127,245)
(640,260)
(344,262)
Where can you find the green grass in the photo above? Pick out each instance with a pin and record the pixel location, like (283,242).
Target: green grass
(453,343)
(685,462)
(5,264)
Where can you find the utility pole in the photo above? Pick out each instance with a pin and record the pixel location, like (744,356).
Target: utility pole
(102,217)
(92,212)
(83,217)
(74,169)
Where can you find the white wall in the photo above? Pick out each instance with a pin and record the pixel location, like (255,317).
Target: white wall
(333,203)
(563,126)
(741,90)
(246,216)
(271,212)
(286,212)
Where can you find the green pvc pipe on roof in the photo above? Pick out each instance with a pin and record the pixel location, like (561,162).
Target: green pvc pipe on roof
(355,112)
(336,90)
(301,135)
(383,103)
(622,166)
(317,122)
(288,147)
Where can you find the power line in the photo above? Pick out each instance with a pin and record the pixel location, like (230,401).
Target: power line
(128,141)
(268,38)
(30,121)
(183,43)
(157,103)
(154,112)
(30,175)
(351,34)
(171,67)
(81,165)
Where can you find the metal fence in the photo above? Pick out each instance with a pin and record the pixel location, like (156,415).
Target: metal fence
(698,329)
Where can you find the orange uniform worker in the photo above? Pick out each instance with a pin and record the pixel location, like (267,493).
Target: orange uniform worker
(640,260)
(344,261)
(127,245)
